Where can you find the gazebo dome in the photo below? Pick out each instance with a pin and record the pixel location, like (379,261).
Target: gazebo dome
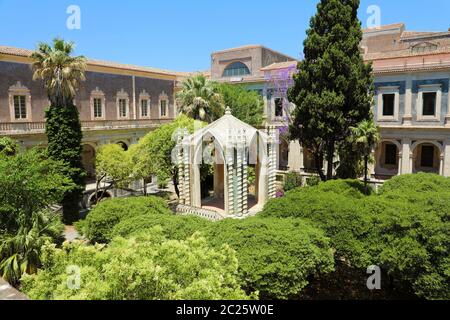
(221,129)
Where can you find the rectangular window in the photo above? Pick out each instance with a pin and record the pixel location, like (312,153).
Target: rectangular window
(122,108)
(429,103)
(20,107)
(427,159)
(163,108)
(98,112)
(388,104)
(279,107)
(390,154)
(144,108)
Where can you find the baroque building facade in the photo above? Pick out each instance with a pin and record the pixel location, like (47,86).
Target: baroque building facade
(121,103)
(117,103)
(411,103)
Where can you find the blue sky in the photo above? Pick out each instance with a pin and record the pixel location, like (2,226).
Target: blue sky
(181,34)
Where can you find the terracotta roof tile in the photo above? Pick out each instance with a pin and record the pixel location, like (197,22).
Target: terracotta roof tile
(280,65)
(385,27)
(26,53)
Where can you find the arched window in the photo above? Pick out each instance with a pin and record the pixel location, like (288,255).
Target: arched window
(236,69)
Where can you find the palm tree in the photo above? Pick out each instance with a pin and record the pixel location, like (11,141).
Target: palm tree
(61,75)
(366,136)
(60,72)
(21,252)
(199,99)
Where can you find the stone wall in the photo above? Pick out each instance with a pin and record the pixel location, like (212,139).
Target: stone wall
(110,84)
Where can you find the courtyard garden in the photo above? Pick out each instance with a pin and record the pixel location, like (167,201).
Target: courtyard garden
(314,243)
(313,238)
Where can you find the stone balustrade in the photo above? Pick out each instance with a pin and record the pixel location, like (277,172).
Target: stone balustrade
(20,128)
(200,212)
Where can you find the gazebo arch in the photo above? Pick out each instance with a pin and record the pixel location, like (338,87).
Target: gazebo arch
(236,146)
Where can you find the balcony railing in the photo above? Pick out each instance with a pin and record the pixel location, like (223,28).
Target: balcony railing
(18,128)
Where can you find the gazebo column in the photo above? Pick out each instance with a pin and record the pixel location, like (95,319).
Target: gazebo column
(180,166)
(244,175)
(196,192)
(230,175)
(272,162)
(187,173)
(239,191)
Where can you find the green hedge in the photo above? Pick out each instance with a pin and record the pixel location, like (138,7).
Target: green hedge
(338,215)
(174,227)
(100,222)
(276,256)
(417,183)
(147,267)
(405,229)
(289,250)
(292,180)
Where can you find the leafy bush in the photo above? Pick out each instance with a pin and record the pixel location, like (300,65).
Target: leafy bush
(349,188)
(339,216)
(312,181)
(29,183)
(21,252)
(416,183)
(414,237)
(99,223)
(147,267)
(276,256)
(174,227)
(292,180)
(405,230)
(8,147)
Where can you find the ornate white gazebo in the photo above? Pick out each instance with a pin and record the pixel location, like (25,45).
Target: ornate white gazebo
(231,146)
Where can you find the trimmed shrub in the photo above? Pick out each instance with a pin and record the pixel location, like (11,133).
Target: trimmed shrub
(276,256)
(147,267)
(100,222)
(416,183)
(349,188)
(341,217)
(292,180)
(174,227)
(405,230)
(312,181)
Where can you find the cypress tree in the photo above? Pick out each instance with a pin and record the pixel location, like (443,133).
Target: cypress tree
(333,88)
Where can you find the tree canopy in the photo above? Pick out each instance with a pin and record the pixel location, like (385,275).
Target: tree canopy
(199,99)
(30,183)
(153,154)
(114,163)
(333,87)
(245,105)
